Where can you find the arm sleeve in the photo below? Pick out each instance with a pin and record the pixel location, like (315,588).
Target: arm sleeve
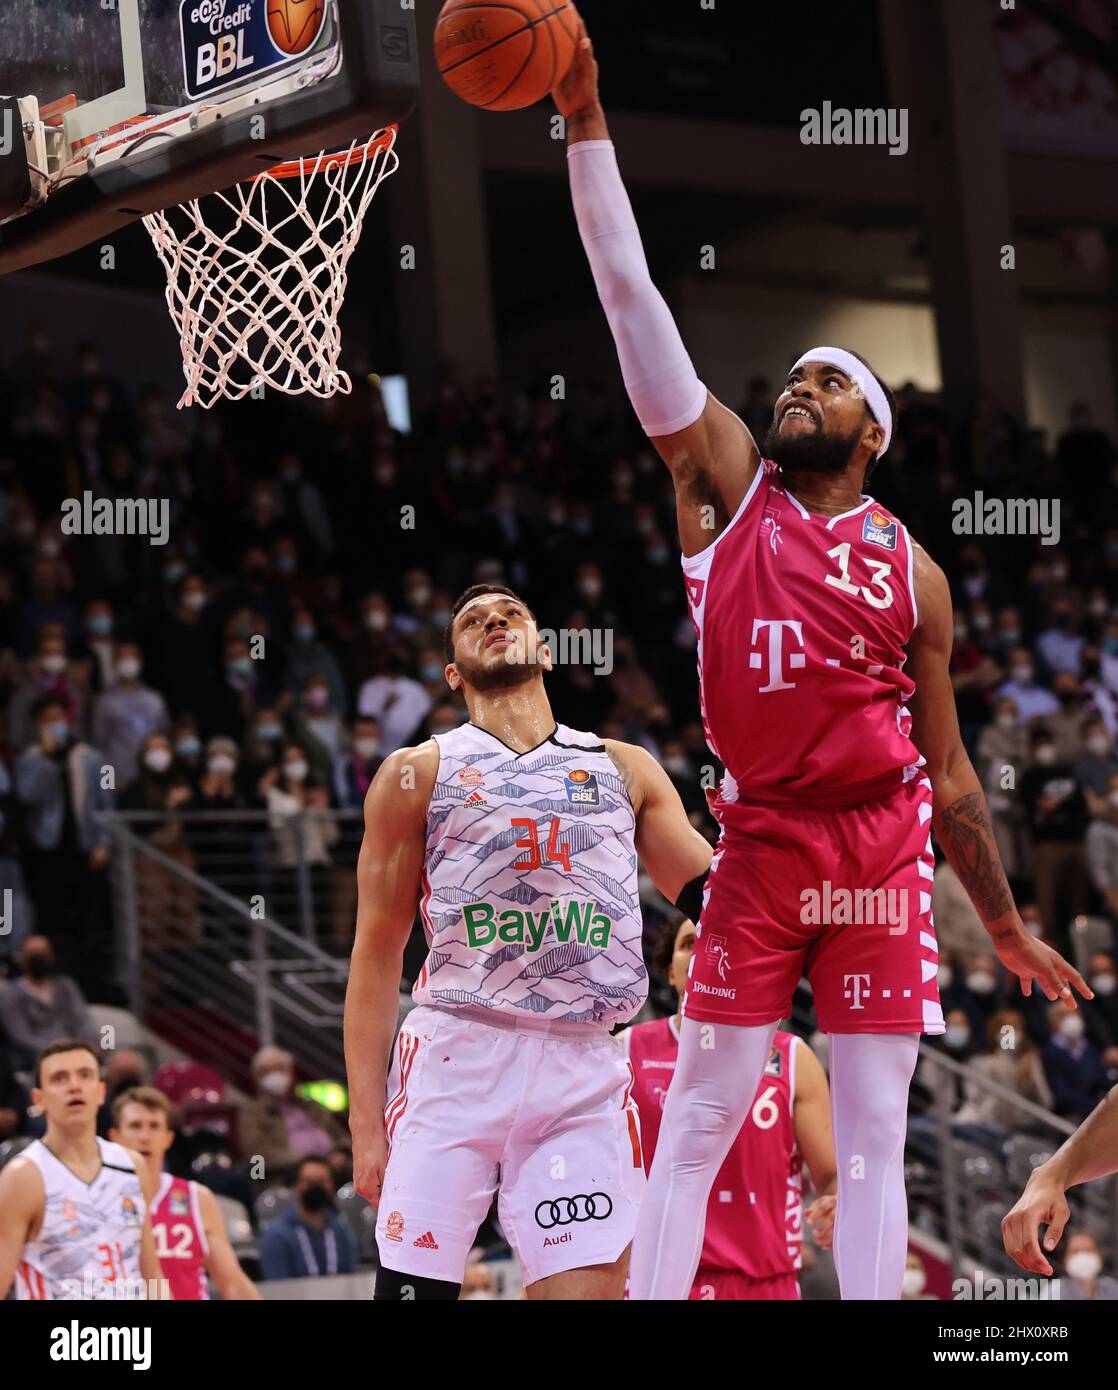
(660,378)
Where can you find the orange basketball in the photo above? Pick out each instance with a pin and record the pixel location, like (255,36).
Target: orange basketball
(505,56)
(294,24)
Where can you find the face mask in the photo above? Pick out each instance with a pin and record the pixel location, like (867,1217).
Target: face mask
(431,672)
(240,666)
(268,732)
(173,573)
(128,668)
(1046,754)
(1023,675)
(39,967)
(318,697)
(1104,984)
(944,975)
(304,632)
(961,633)
(1098,608)
(188,747)
(1011,636)
(440,616)
(54,663)
(1084,1264)
(912,1283)
(1007,721)
(376,621)
(419,597)
(1033,928)
(957,1037)
(1098,745)
(980,982)
(367,748)
(100,625)
(157,759)
(1059,574)
(194,600)
(590,589)
(678,766)
(1112,797)
(658,555)
(981,622)
(316,1198)
(59,731)
(275,1083)
(221,764)
(285,564)
(582,527)
(1071,1028)
(1110,646)
(297,771)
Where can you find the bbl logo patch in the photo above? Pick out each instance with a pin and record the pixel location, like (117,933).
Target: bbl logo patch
(775,1065)
(879,530)
(129,1215)
(180,1204)
(582,788)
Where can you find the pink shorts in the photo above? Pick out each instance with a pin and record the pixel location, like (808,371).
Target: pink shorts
(723,1285)
(843,896)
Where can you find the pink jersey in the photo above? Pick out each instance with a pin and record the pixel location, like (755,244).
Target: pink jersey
(802,622)
(180,1239)
(755,1215)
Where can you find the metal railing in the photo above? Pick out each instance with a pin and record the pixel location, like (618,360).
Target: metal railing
(222,926)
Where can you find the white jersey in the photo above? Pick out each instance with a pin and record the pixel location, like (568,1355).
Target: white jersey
(89,1241)
(529,894)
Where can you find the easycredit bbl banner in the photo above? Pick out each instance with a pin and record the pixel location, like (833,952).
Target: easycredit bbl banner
(228,41)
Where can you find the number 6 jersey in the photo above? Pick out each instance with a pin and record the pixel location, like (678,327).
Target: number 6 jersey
(529,892)
(802,622)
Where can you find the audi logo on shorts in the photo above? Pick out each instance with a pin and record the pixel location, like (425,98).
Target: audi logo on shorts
(597,1207)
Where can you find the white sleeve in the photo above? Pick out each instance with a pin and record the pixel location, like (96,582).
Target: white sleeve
(660,378)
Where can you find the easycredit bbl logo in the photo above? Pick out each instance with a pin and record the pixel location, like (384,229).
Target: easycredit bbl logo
(227,41)
(557,923)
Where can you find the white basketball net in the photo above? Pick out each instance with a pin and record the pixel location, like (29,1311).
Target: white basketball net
(256,276)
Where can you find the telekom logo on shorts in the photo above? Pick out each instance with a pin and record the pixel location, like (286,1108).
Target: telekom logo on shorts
(775,647)
(855,987)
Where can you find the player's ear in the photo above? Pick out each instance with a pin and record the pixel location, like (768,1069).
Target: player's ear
(113,1135)
(453,679)
(873,435)
(544,658)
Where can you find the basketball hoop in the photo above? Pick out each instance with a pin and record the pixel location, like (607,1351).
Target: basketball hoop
(256,276)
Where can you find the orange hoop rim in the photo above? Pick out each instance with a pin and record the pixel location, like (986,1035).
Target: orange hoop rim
(319,163)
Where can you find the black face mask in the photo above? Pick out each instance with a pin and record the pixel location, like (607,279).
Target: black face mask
(316,1198)
(40,967)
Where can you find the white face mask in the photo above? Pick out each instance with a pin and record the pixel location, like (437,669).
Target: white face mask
(54,663)
(1098,745)
(1084,1264)
(980,982)
(367,748)
(1113,797)
(221,764)
(158,759)
(944,975)
(376,621)
(957,1037)
(1046,754)
(128,668)
(1104,984)
(912,1282)
(1071,1028)
(1007,721)
(275,1083)
(194,600)
(297,771)
(1023,675)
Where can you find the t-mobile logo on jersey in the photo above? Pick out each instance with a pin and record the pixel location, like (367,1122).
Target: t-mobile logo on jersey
(855,988)
(776,669)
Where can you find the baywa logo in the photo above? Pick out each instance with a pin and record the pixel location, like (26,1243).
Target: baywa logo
(578,921)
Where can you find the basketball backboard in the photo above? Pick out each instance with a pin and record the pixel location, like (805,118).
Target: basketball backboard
(113,109)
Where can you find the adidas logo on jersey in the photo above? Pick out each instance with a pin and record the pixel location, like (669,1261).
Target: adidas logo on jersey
(475,799)
(426,1242)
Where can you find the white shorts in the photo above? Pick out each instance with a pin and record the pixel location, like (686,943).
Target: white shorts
(547,1124)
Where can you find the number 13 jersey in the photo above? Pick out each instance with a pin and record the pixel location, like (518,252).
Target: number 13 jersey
(529,892)
(802,622)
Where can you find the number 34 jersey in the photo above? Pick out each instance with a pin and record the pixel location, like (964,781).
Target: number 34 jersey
(802,622)
(529,893)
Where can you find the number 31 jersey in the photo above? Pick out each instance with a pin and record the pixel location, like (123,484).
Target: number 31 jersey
(802,622)
(529,892)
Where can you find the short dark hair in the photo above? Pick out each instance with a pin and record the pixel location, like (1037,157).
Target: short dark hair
(664,948)
(468,596)
(64,1045)
(298,1166)
(889,396)
(45,702)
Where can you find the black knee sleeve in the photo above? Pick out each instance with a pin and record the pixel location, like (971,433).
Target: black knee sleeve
(394,1287)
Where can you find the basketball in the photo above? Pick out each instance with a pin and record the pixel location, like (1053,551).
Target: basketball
(508,56)
(294,24)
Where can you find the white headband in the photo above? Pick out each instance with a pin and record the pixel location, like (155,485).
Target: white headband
(861,375)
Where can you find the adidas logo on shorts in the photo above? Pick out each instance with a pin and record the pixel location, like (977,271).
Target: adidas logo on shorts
(426,1242)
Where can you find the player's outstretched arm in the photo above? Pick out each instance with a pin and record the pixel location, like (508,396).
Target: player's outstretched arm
(389,869)
(671,849)
(222,1265)
(21,1210)
(709,450)
(1091,1152)
(811,1119)
(960,815)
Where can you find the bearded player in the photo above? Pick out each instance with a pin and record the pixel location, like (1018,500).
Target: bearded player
(755,1216)
(189,1231)
(516,838)
(73,1207)
(824,639)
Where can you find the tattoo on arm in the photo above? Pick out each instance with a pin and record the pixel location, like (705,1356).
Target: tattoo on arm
(967,838)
